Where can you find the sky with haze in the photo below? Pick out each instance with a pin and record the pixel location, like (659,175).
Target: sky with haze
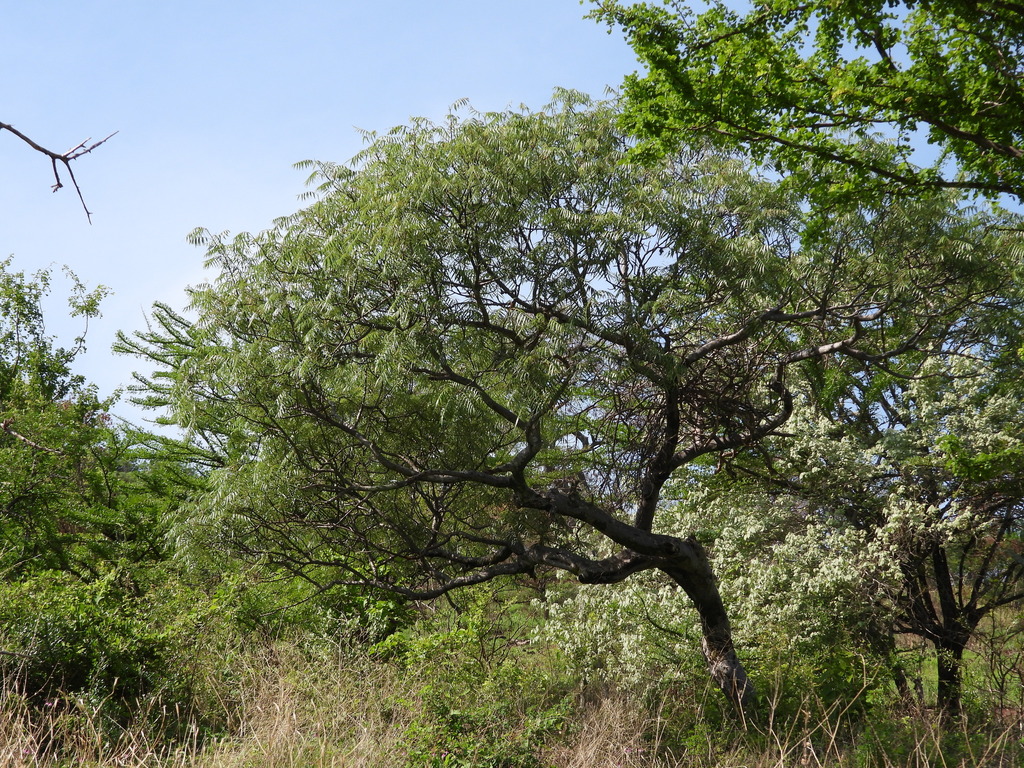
(214,102)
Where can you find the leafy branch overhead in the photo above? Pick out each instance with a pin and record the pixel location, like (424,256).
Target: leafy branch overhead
(58,159)
(801,85)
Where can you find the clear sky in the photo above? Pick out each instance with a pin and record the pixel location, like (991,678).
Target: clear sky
(214,101)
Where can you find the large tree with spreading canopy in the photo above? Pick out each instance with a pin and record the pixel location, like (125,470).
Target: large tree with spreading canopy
(488,344)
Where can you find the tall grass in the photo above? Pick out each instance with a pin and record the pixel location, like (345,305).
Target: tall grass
(289,706)
(467,688)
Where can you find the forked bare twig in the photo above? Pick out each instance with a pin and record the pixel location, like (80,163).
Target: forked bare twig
(65,158)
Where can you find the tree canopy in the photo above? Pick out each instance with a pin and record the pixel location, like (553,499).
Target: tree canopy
(70,492)
(489,343)
(803,85)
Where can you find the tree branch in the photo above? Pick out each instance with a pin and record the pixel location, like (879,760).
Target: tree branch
(64,158)
(5,426)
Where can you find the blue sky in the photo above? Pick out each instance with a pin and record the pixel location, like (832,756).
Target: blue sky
(213,103)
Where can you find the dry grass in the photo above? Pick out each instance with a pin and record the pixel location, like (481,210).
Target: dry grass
(286,713)
(72,734)
(293,715)
(340,710)
(613,732)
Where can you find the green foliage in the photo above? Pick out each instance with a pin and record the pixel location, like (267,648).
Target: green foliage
(126,648)
(806,86)
(74,486)
(491,730)
(488,701)
(94,612)
(93,639)
(277,606)
(976,466)
(30,366)
(487,347)
(84,507)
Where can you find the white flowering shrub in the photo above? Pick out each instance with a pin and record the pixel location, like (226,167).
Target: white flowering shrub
(822,548)
(632,633)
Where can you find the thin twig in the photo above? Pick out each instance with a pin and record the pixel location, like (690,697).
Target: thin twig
(82,148)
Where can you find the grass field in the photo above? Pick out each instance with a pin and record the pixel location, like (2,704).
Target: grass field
(507,705)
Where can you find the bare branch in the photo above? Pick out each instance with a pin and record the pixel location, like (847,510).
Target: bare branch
(64,158)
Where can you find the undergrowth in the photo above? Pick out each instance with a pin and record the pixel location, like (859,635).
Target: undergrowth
(469,688)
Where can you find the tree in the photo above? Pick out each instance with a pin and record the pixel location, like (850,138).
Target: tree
(488,345)
(892,505)
(69,489)
(84,511)
(838,96)
(801,85)
(904,495)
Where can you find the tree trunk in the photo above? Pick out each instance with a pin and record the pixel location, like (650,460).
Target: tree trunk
(882,641)
(950,656)
(957,625)
(696,578)
(901,681)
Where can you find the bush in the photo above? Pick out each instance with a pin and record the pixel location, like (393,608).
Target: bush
(65,636)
